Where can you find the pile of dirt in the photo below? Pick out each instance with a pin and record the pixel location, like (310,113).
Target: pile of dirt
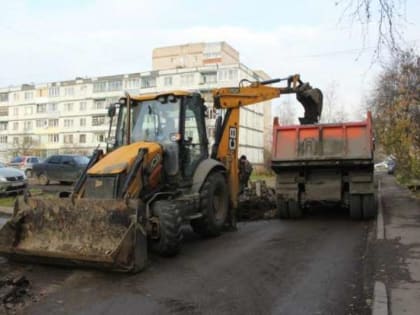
(257,202)
(13,291)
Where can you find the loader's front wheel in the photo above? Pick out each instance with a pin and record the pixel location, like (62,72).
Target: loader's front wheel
(214,205)
(170,227)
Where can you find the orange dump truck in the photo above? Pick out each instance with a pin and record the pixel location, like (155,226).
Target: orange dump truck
(324,164)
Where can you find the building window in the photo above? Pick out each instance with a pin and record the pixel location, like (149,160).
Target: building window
(27,140)
(98,120)
(53,138)
(211,113)
(16,96)
(27,125)
(15,141)
(40,123)
(69,91)
(16,125)
(28,110)
(82,122)
(99,104)
(115,85)
(167,81)
(82,138)
(228,75)
(52,108)
(68,139)
(16,111)
(99,86)
(28,95)
(68,123)
(82,106)
(133,83)
(41,108)
(3,125)
(187,79)
(3,139)
(4,97)
(100,137)
(68,107)
(148,82)
(52,122)
(209,77)
(4,111)
(54,91)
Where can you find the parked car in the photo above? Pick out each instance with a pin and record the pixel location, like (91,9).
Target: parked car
(11,180)
(64,168)
(391,165)
(24,163)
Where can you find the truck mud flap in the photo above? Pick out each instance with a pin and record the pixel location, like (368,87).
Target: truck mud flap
(102,234)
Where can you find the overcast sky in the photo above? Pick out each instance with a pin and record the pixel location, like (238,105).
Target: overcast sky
(50,40)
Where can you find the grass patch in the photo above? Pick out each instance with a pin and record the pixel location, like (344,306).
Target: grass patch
(7,201)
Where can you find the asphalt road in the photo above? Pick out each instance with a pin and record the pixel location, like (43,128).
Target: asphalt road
(310,266)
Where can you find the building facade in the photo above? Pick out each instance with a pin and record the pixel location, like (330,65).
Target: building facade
(71,116)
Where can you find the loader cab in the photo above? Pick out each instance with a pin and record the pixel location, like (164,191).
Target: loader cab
(174,120)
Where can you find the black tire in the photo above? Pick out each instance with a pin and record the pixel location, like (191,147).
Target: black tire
(28,173)
(370,209)
(295,211)
(282,209)
(214,205)
(170,223)
(43,179)
(355,207)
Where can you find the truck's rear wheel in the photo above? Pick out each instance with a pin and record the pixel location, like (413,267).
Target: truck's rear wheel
(289,209)
(214,205)
(170,224)
(295,211)
(355,207)
(369,206)
(282,209)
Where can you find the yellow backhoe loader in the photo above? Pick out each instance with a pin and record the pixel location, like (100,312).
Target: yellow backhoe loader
(156,175)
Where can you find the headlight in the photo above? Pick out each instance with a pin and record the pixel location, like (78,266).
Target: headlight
(3,179)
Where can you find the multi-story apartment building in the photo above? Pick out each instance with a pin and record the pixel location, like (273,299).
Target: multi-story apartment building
(70,116)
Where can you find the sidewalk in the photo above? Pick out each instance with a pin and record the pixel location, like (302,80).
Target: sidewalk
(397,261)
(6,211)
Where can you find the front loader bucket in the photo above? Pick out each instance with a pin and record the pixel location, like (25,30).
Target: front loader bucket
(95,233)
(311,99)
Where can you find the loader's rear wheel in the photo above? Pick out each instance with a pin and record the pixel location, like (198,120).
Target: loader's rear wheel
(214,205)
(369,206)
(355,207)
(43,179)
(170,224)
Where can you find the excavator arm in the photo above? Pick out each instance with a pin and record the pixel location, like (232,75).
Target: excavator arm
(247,93)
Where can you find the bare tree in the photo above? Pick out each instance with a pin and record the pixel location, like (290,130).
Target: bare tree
(332,110)
(287,112)
(23,145)
(387,15)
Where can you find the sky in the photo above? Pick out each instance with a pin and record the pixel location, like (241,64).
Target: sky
(49,40)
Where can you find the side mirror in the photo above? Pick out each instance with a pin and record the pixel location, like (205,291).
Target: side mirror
(112,110)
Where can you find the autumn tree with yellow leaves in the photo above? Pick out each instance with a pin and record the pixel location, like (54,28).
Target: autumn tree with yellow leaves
(396,108)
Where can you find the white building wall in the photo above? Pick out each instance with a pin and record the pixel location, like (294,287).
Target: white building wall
(80,106)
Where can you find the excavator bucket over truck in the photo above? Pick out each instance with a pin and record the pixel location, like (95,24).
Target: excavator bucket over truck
(156,176)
